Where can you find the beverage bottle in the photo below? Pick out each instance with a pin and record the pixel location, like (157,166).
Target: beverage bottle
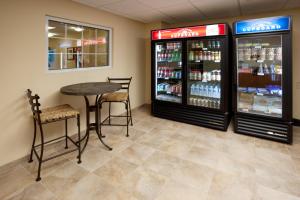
(193,89)
(208,55)
(208,76)
(213,75)
(198,102)
(219,93)
(215,93)
(260,71)
(266,69)
(209,91)
(218,44)
(218,77)
(206,90)
(273,73)
(201,55)
(196,56)
(201,90)
(204,55)
(193,44)
(209,45)
(191,56)
(213,45)
(201,44)
(199,75)
(204,76)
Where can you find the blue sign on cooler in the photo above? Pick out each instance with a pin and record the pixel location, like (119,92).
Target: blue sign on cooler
(270,24)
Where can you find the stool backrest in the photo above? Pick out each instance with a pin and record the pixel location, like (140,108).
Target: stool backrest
(124,82)
(34,103)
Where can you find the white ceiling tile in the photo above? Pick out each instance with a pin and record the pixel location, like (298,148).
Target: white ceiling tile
(96,3)
(126,6)
(182,10)
(217,8)
(259,6)
(293,4)
(162,3)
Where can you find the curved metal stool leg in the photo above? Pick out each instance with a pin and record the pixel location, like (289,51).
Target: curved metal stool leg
(33,142)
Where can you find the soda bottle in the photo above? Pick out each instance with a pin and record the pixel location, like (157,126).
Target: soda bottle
(213,45)
(209,44)
(191,56)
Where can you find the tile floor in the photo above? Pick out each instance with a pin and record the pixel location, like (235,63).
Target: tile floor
(163,160)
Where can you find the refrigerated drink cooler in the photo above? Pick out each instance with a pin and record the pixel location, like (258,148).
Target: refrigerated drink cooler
(191,74)
(263,78)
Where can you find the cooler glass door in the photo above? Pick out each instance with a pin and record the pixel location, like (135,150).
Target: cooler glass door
(168,71)
(259,75)
(204,73)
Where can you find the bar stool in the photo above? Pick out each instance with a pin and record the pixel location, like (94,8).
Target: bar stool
(118,97)
(46,116)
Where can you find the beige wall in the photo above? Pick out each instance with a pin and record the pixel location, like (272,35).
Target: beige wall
(295,13)
(23,65)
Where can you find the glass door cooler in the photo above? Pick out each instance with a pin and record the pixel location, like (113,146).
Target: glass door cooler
(168,71)
(190,75)
(263,94)
(204,73)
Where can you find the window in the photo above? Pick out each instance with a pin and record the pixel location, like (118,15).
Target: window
(74,45)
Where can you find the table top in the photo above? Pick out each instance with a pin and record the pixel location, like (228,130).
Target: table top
(90,88)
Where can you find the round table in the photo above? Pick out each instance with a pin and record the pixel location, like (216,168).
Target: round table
(91,89)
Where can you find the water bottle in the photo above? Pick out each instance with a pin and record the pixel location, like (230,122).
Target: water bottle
(193,89)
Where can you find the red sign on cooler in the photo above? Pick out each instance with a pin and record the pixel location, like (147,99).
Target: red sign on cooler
(187,32)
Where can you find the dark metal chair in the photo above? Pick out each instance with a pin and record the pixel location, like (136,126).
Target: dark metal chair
(46,116)
(118,97)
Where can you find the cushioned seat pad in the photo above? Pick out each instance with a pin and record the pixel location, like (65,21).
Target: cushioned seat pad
(58,113)
(117,96)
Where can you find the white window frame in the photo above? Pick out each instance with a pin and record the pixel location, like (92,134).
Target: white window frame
(80,24)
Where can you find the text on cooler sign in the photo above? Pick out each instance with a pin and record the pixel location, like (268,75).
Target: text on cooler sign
(196,31)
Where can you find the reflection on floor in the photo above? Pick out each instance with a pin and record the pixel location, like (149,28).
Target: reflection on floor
(163,160)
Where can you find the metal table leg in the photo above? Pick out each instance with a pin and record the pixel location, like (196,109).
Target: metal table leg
(91,126)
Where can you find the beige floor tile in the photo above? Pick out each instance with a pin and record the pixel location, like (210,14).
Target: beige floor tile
(297,165)
(90,187)
(93,158)
(143,184)
(14,180)
(145,125)
(137,153)
(195,175)
(178,191)
(230,165)
(134,134)
(203,156)
(175,147)
(294,150)
(120,194)
(270,145)
(242,149)
(165,131)
(162,163)
(265,193)
(271,158)
(280,181)
(152,139)
(35,191)
(64,178)
(230,187)
(115,171)
(47,167)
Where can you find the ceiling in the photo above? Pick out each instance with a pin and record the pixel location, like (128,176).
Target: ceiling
(173,11)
